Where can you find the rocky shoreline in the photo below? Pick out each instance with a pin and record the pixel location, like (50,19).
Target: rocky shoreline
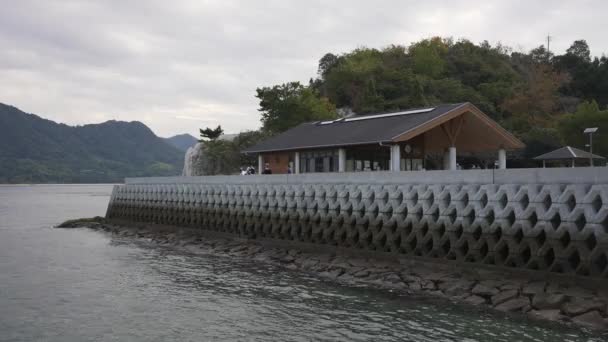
(549,298)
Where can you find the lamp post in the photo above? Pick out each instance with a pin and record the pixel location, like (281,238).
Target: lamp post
(590,131)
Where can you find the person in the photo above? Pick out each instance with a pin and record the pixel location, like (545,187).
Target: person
(244,172)
(289,171)
(267,170)
(251,170)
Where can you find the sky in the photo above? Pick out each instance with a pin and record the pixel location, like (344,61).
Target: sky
(180,65)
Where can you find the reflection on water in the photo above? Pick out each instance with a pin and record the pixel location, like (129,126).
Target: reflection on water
(79,285)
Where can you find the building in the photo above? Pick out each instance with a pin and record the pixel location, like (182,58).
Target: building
(398,141)
(569,155)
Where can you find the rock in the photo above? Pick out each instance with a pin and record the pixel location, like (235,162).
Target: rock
(515,304)
(580,306)
(410,278)
(435,276)
(293,252)
(428,285)
(504,296)
(548,301)
(592,319)
(458,288)
(577,292)
(550,315)
(392,278)
(416,286)
(359,262)
(361,274)
(484,290)
(534,288)
(475,300)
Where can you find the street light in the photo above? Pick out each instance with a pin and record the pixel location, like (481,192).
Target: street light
(590,131)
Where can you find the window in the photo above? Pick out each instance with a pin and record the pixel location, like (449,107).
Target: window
(319,161)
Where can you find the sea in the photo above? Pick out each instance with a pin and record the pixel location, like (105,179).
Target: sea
(84,285)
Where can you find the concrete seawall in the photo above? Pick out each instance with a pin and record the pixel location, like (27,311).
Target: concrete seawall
(552,220)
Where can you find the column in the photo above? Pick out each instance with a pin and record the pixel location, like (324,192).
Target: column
(452,158)
(395,158)
(342,160)
(502,159)
(260,164)
(296,163)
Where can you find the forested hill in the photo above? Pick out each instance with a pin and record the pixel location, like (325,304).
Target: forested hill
(182,141)
(545,99)
(36,150)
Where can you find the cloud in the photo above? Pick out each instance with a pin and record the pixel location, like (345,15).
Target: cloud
(82,61)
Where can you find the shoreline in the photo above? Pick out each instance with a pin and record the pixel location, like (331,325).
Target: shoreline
(546,299)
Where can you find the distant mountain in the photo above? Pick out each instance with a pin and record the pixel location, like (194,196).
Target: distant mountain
(36,150)
(182,141)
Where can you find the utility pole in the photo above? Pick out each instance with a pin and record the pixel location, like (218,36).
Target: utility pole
(548,43)
(590,131)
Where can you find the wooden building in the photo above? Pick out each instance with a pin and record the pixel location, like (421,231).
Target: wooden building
(398,141)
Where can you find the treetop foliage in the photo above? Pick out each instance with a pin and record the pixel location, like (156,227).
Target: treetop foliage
(536,95)
(211,133)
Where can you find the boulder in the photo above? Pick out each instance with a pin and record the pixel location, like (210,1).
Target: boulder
(592,319)
(580,306)
(515,304)
(504,296)
(475,300)
(484,290)
(534,288)
(545,301)
(550,315)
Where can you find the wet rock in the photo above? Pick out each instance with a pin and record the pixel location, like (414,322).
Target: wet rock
(359,262)
(515,304)
(415,286)
(592,319)
(475,300)
(435,276)
(429,285)
(504,296)
(580,306)
(457,288)
(548,301)
(361,274)
(410,278)
(577,292)
(392,278)
(550,315)
(484,290)
(534,288)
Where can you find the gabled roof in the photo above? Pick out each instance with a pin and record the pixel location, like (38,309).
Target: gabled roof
(568,152)
(373,129)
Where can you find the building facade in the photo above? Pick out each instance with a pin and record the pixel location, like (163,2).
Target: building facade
(398,141)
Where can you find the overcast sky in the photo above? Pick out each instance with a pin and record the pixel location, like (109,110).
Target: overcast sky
(180,65)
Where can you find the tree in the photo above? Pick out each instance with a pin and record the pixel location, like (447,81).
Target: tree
(288,105)
(210,134)
(588,114)
(580,49)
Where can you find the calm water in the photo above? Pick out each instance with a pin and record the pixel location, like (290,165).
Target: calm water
(81,285)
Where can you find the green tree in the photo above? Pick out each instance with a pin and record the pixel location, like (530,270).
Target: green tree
(210,134)
(588,114)
(288,105)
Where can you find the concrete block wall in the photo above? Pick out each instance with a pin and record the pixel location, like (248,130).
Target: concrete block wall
(547,220)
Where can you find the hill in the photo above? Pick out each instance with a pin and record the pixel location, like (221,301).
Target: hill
(36,150)
(182,141)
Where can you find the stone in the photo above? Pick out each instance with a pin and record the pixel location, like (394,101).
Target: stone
(416,286)
(548,301)
(577,292)
(592,319)
(534,288)
(458,288)
(550,315)
(435,276)
(580,306)
(361,274)
(504,296)
(515,304)
(392,278)
(410,278)
(475,300)
(428,285)
(483,290)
